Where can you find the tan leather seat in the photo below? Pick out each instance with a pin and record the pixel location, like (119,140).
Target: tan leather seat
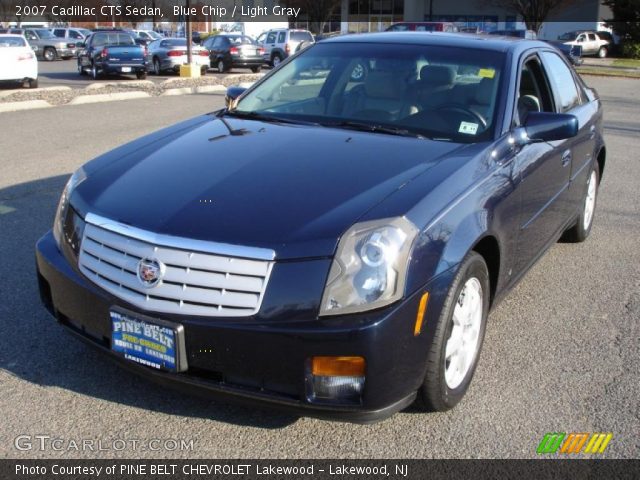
(434,86)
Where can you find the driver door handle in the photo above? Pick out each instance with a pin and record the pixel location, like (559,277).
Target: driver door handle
(566,158)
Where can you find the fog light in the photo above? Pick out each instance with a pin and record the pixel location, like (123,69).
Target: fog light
(336,379)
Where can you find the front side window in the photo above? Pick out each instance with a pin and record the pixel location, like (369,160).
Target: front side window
(271,38)
(444,93)
(533,92)
(282,36)
(562,81)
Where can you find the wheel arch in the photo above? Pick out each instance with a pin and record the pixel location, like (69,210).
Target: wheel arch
(489,249)
(601,159)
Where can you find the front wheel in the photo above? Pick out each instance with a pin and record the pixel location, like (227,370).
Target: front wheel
(581,230)
(456,345)
(156,66)
(81,70)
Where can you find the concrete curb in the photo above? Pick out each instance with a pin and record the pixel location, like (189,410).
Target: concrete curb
(126,83)
(211,89)
(60,88)
(177,91)
(26,105)
(107,97)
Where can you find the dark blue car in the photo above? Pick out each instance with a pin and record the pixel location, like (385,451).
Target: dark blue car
(332,244)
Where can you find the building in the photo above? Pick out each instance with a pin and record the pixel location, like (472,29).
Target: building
(377,15)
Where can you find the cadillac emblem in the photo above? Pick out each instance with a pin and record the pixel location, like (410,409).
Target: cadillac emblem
(150,272)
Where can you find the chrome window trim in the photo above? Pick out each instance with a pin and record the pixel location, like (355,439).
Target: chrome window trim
(252,253)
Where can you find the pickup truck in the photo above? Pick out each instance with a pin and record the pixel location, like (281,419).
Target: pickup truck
(112,53)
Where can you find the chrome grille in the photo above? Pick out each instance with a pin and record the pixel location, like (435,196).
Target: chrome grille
(199,278)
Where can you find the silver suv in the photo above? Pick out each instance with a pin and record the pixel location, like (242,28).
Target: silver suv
(74,34)
(279,43)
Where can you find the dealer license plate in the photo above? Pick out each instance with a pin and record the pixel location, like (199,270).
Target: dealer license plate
(126,69)
(145,342)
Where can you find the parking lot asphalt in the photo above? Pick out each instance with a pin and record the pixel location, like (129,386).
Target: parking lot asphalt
(560,353)
(65,73)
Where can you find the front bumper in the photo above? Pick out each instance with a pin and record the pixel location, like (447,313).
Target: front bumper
(249,360)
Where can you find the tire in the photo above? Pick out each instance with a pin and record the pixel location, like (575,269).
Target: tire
(603,52)
(141,75)
(33,83)
(95,74)
(49,54)
(276,60)
(256,69)
(203,71)
(81,70)
(220,66)
(156,67)
(444,385)
(581,230)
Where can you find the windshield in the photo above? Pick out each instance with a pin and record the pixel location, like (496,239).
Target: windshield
(44,33)
(444,93)
(568,36)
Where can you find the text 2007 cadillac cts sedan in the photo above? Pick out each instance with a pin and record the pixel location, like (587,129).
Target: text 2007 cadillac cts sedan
(332,243)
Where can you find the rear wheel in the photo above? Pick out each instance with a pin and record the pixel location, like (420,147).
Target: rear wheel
(49,54)
(456,345)
(581,230)
(221,67)
(256,69)
(141,75)
(156,66)
(276,60)
(603,52)
(95,74)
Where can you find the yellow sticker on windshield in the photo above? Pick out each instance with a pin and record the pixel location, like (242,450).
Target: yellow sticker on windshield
(487,73)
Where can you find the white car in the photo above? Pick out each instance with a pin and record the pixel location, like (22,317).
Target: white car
(589,42)
(18,60)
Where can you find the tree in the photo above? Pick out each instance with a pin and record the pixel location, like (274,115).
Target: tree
(318,12)
(532,12)
(626,18)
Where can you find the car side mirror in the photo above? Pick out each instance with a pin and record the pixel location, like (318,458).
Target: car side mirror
(546,127)
(233,93)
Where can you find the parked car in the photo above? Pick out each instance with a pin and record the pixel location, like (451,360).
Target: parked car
(527,34)
(50,47)
(72,34)
(279,43)
(148,35)
(112,53)
(18,62)
(353,279)
(171,53)
(423,27)
(196,37)
(589,42)
(229,51)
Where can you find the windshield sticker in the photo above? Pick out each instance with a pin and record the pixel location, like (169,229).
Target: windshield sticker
(468,128)
(487,73)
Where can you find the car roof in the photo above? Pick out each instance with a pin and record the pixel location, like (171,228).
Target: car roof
(462,40)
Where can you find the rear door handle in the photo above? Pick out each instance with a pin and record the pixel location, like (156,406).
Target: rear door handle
(566,158)
(592,132)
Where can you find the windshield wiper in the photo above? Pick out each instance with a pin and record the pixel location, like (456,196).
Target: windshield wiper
(368,127)
(262,117)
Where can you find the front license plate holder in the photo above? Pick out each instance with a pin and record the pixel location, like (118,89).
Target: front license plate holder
(148,341)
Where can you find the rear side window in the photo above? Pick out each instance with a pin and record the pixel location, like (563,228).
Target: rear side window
(301,37)
(58,32)
(562,80)
(75,34)
(282,36)
(99,40)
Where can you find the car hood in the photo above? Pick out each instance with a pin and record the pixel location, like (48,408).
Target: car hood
(291,188)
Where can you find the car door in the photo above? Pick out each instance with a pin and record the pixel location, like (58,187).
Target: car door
(544,169)
(570,98)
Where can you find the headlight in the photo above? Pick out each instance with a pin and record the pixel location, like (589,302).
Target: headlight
(76,179)
(370,267)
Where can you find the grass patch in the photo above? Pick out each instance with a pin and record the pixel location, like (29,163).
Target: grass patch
(626,62)
(607,72)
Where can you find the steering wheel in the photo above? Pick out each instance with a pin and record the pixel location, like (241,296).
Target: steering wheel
(457,107)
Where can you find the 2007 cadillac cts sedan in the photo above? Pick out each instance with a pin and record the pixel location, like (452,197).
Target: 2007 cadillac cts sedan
(331,242)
